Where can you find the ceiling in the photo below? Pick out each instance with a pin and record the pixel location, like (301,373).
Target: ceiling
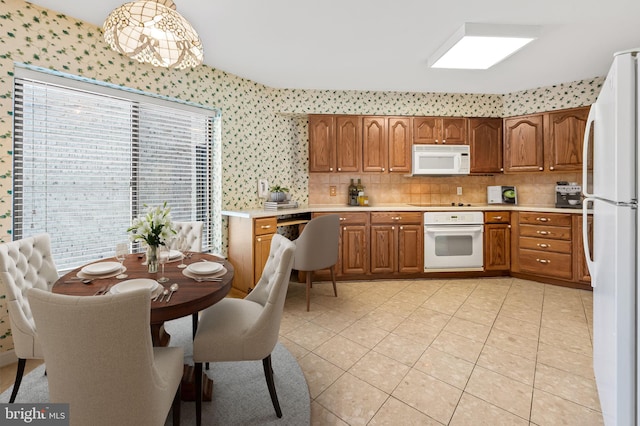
(384,45)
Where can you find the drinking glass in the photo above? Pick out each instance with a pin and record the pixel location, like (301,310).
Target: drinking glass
(122,249)
(163,257)
(183,247)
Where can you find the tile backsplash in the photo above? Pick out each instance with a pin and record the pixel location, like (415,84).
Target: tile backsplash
(533,188)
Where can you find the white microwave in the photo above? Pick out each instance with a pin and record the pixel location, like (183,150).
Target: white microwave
(441,160)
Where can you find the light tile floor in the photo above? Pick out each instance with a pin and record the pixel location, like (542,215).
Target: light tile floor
(494,351)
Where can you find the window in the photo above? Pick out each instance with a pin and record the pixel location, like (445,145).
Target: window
(87,158)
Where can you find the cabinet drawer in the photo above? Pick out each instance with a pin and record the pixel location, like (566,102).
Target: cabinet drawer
(556,265)
(497,217)
(554,219)
(396,217)
(265,225)
(553,232)
(545,244)
(349,218)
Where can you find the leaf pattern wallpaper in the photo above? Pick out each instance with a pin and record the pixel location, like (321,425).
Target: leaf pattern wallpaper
(264,130)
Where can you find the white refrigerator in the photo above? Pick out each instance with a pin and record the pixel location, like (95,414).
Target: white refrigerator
(613,257)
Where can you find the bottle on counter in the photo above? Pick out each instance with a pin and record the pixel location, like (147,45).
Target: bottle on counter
(353,194)
(360,189)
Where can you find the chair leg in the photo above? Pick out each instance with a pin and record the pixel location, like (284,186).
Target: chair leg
(333,279)
(16,385)
(268,374)
(198,380)
(176,406)
(308,290)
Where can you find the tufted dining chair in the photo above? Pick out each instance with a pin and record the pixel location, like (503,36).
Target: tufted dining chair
(24,264)
(317,248)
(101,361)
(191,232)
(246,329)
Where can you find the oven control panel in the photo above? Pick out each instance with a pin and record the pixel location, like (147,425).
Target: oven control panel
(453,218)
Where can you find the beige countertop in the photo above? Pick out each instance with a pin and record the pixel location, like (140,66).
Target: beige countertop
(257,213)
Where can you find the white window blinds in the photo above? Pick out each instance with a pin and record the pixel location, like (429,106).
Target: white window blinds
(85,163)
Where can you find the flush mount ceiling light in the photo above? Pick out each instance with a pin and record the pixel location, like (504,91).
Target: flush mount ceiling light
(153,32)
(480,46)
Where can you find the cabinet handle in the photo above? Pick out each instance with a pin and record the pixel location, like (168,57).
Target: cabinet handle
(383,169)
(330,169)
(401,228)
(551,168)
(344,229)
(543,219)
(393,228)
(339,169)
(436,140)
(544,245)
(509,226)
(541,168)
(259,239)
(543,261)
(543,232)
(444,141)
(390,169)
(396,217)
(501,169)
(265,226)
(497,217)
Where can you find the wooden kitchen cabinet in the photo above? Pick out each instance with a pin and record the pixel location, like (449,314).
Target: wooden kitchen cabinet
(353,246)
(335,143)
(396,243)
(386,144)
(580,262)
(485,144)
(544,245)
(497,241)
(440,130)
(550,141)
(249,245)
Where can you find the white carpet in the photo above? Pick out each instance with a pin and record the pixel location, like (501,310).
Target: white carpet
(240,394)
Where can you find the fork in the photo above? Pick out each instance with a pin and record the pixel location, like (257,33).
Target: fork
(107,290)
(101,291)
(207,279)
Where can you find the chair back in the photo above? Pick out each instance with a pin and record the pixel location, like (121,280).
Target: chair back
(25,264)
(317,245)
(191,232)
(271,292)
(99,356)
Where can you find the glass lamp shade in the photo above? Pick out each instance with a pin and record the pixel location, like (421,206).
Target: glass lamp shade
(153,32)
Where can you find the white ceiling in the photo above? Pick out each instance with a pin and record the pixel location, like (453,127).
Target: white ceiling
(384,44)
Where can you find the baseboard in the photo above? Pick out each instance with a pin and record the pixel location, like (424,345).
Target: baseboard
(8,357)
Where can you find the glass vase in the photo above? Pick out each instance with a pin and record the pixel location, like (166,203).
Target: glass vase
(152,259)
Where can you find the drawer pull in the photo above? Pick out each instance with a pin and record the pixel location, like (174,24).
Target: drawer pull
(543,261)
(265,226)
(343,218)
(497,218)
(543,219)
(543,245)
(397,218)
(543,232)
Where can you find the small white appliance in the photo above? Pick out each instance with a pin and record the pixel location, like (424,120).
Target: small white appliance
(441,160)
(502,195)
(613,260)
(453,241)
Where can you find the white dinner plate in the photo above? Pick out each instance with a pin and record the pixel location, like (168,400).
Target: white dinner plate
(174,254)
(101,268)
(205,268)
(135,284)
(218,274)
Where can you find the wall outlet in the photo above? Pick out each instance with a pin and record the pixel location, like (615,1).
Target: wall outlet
(263,188)
(459,190)
(332,190)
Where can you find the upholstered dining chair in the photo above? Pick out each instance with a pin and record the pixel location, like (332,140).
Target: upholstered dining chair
(191,232)
(24,264)
(317,248)
(100,359)
(246,329)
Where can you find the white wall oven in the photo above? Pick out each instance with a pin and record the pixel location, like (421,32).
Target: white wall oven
(453,241)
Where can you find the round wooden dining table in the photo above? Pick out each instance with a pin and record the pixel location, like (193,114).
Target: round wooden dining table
(191,297)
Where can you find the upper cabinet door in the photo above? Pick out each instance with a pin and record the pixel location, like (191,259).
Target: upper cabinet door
(322,143)
(523,144)
(485,143)
(564,139)
(374,144)
(399,141)
(453,131)
(426,130)
(348,143)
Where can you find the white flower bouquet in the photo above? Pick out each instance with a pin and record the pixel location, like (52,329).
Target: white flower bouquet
(155,227)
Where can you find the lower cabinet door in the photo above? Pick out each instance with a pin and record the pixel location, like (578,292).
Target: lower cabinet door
(410,257)
(354,249)
(383,249)
(262,245)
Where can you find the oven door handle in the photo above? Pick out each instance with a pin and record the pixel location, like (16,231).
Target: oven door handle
(457,229)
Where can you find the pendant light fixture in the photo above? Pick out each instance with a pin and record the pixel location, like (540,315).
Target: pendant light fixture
(153,32)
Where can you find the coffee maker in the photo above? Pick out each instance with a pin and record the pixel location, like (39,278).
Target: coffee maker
(568,195)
